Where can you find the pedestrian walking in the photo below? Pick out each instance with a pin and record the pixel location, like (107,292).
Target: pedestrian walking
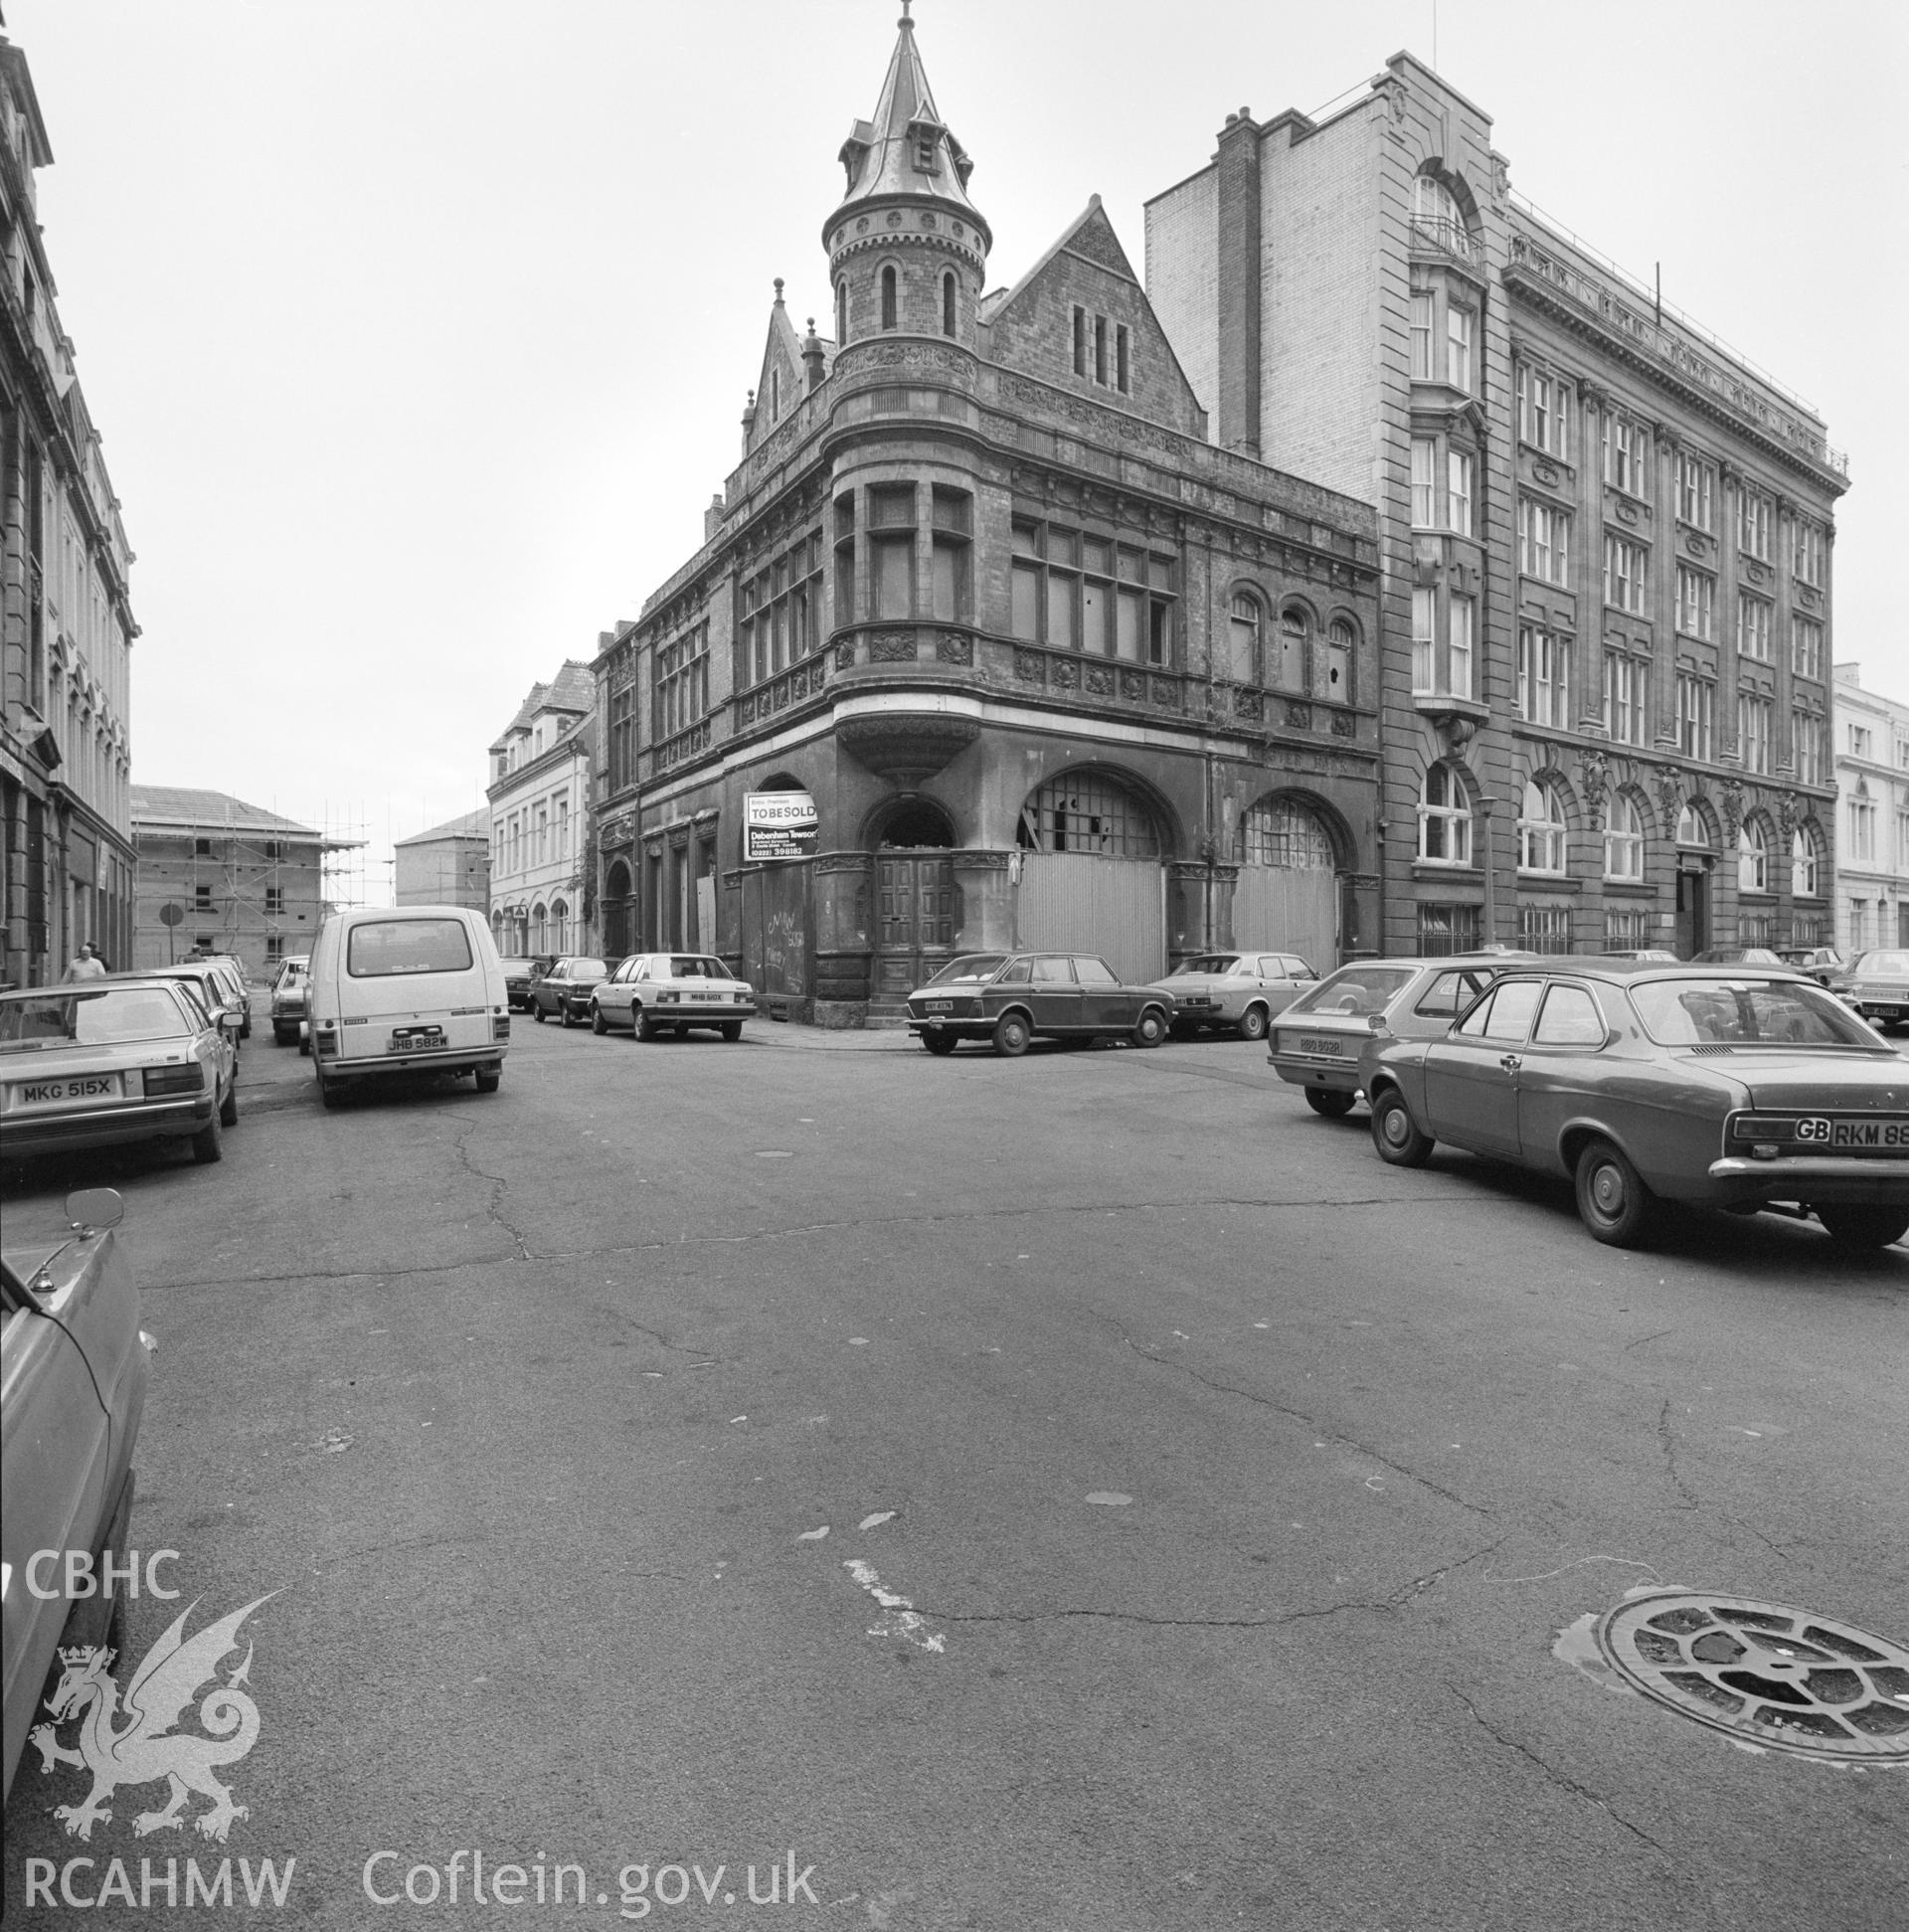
(83,965)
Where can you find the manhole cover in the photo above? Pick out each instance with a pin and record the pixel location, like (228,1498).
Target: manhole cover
(1787,1680)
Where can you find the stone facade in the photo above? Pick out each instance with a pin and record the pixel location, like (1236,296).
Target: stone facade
(1871,738)
(983,589)
(540,890)
(449,865)
(67,858)
(1606,540)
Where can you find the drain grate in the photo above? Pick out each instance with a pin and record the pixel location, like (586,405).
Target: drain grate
(1784,1678)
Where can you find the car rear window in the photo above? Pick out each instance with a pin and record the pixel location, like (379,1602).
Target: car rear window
(1893,966)
(1092,971)
(1352,989)
(583,968)
(1739,1011)
(1450,993)
(119,1014)
(690,965)
(382,949)
(971,968)
(1206,963)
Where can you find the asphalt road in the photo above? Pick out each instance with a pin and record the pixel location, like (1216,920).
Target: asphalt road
(1086,1492)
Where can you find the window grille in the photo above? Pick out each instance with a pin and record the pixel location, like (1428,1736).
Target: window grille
(1087,812)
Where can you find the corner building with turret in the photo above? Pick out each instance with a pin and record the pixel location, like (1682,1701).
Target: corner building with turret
(1606,538)
(1056,670)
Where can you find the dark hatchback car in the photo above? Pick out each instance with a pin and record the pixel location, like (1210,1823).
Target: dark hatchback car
(1736,1088)
(564,992)
(1013,998)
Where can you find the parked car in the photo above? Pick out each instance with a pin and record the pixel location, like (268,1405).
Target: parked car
(564,992)
(1014,999)
(1755,956)
(1824,964)
(74,1361)
(290,999)
(109,1062)
(1876,986)
(1663,955)
(406,988)
(1236,991)
(1648,1084)
(219,992)
(1322,1040)
(653,992)
(520,971)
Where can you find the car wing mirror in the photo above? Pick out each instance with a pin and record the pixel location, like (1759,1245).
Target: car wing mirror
(90,1209)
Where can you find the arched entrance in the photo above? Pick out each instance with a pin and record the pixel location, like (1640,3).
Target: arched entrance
(1093,878)
(911,840)
(1288,893)
(617,888)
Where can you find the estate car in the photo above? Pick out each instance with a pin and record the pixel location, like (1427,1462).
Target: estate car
(1728,1087)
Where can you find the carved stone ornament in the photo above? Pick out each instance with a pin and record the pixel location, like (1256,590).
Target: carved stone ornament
(1755,571)
(746,711)
(1299,717)
(892,647)
(1133,684)
(1099,682)
(844,657)
(1544,472)
(1697,544)
(954,647)
(1731,794)
(1671,798)
(1247,704)
(1593,781)
(1344,725)
(1166,692)
(1029,668)
(1067,676)
(908,748)
(1807,598)
(1787,815)
(1626,513)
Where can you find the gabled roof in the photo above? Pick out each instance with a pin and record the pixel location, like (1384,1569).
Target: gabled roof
(879,156)
(1090,237)
(208,811)
(573,690)
(474,824)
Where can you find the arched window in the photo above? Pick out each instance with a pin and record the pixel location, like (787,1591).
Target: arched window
(1284,833)
(1623,840)
(1433,201)
(1341,649)
(1243,639)
(1088,813)
(1802,862)
(1292,665)
(947,304)
(888,298)
(1541,829)
(538,929)
(842,313)
(1690,828)
(559,927)
(1753,858)
(1445,821)
(776,393)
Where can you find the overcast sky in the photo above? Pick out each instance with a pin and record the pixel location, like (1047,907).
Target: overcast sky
(419,331)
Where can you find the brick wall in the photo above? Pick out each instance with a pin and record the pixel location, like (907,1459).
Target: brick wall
(1182,277)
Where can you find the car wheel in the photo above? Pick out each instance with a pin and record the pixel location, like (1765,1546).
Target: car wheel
(938,1042)
(597,1023)
(1252,1023)
(1613,1201)
(1150,1028)
(205,1144)
(537,1013)
(1864,1227)
(1011,1035)
(646,1026)
(329,1092)
(1394,1132)
(487,1083)
(563,1016)
(732,1031)
(229,1107)
(1329,1100)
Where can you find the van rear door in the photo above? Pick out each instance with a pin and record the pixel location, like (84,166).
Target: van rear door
(410,987)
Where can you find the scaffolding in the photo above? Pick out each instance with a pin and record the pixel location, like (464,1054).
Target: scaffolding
(345,835)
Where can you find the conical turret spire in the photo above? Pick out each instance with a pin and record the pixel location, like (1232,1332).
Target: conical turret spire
(907,150)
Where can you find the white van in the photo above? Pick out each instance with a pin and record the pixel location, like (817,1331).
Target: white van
(406,988)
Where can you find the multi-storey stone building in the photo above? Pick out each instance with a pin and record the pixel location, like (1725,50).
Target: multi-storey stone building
(65,625)
(449,865)
(1053,668)
(540,793)
(217,875)
(1871,737)
(1606,538)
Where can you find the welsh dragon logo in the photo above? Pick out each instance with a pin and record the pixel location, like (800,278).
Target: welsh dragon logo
(147,1748)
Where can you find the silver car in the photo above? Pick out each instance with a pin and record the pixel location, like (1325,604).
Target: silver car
(1241,991)
(1324,1040)
(654,992)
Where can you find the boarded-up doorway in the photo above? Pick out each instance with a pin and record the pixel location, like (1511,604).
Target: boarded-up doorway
(1074,902)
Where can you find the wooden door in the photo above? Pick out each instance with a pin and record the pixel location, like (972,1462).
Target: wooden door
(914,919)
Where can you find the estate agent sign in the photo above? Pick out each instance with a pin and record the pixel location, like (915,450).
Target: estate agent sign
(778,825)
